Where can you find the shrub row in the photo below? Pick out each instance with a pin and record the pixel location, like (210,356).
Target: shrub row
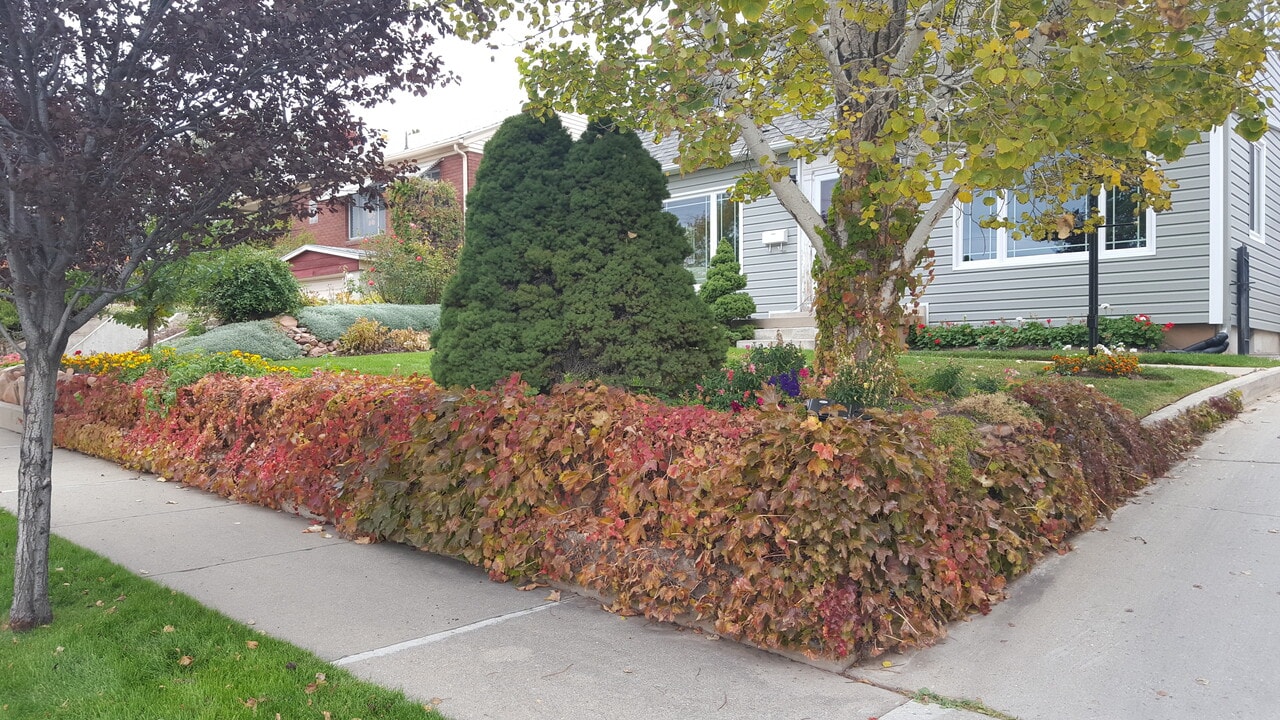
(1130,331)
(836,539)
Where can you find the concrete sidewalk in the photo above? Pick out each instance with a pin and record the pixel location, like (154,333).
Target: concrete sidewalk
(436,628)
(1165,612)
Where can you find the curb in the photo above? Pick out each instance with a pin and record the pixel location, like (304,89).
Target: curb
(1252,388)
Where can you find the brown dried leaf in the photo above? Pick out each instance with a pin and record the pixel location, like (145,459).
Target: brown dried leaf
(364,540)
(313,529)
(251,644)
(554,596)
(186,660)
(168,628)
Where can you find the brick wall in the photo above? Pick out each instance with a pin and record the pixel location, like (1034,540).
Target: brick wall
(329,228)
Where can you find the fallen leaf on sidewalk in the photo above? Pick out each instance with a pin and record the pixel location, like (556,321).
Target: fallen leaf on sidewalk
(314,529)
(1203,681)
(160,479)
(554,596)
(364,540)
(886,663)
(530,586)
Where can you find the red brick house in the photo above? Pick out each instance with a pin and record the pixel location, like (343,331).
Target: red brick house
(331,258)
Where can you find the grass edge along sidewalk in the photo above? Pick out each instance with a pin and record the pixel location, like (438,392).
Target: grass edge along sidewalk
(123,647)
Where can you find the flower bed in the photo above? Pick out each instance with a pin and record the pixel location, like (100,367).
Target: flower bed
(1132,331)
(835,539)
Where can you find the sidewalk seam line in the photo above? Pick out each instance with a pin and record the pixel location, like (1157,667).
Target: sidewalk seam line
(242,560)
(436,637)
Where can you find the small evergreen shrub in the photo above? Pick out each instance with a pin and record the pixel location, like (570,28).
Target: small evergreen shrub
(364,337)
(329,322)
(260,337)
(722,292)
(250,284)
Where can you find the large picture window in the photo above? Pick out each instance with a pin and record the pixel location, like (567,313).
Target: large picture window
(367,216)
(1124,228)
(706,219)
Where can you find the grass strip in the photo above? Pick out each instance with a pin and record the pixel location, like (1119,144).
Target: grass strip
(122,647)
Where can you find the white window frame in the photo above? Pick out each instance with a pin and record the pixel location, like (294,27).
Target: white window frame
(713,228)
(1002,258)
(313,212)
(1257,175)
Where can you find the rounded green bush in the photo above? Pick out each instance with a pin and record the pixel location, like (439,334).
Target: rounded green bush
(261,337)
(250,284)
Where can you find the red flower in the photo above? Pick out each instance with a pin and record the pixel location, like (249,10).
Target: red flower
(937,341)
(993,322)
(1048,321)
(730,374)
(735,406)
(804,373)
(80,351)
(419,258)
(920,326)
(759,401)
(1168,326)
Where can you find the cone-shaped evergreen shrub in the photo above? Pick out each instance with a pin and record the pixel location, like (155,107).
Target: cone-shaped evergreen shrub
(501,313)
(722,291)
(631,314)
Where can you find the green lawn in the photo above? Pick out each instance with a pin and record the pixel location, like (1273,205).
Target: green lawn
(122,648)
(1160,387)
(1157,388)
(386,364)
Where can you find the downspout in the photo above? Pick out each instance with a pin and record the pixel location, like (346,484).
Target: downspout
(466,178)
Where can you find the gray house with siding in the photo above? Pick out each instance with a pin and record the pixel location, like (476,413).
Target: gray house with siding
(1177,266)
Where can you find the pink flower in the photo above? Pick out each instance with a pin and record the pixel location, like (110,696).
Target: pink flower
(730,374)
(735,406)
(419,258)
(804,373)
(751,368)
(1049,321)
(759,401)
(370,283)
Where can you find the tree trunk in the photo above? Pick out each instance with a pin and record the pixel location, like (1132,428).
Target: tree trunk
(31,607)
(858,303)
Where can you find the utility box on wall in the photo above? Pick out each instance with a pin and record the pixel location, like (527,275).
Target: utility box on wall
(773,238)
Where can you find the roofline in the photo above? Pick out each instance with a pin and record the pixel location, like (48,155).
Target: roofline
(350,253)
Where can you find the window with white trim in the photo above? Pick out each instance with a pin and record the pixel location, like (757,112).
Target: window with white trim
(1257,198)
(366,215)
(1124,228)
(313,212)
(707,219)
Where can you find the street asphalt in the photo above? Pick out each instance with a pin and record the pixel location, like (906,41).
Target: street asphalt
(1164,612)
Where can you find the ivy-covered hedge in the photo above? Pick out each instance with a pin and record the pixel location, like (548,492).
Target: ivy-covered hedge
(836,539)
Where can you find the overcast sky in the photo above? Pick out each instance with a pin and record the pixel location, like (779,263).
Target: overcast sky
(487,93)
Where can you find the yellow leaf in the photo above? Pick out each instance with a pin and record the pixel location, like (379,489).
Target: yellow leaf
(930,136)
(886,663)
(996,75)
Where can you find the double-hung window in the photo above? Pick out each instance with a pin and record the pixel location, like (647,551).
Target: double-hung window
(707,220)
(1124,228)
(367,215)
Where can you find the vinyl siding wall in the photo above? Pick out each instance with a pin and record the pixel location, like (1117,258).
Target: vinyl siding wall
(770,270)
(1172,285)
(1264,250)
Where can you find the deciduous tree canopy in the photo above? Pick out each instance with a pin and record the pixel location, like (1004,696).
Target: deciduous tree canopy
(131,128)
